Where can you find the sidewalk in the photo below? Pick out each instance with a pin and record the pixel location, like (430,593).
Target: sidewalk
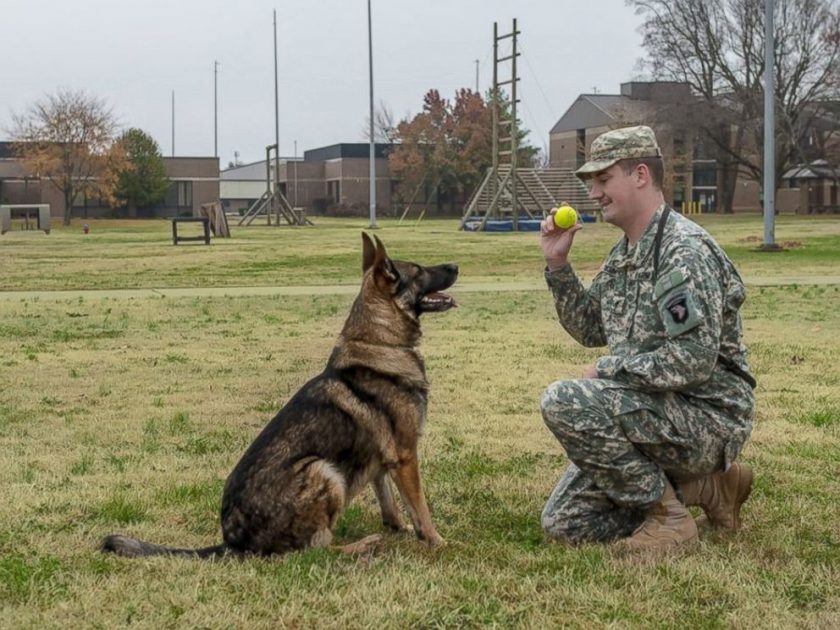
(348,289)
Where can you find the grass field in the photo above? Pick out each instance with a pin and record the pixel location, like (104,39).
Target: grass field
(125,415)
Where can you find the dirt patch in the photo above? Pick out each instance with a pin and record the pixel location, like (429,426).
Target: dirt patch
(782,244)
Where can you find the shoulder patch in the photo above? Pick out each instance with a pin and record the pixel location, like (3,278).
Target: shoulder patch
(677,306)
(678,311)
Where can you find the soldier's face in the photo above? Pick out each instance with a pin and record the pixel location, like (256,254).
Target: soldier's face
(614,190)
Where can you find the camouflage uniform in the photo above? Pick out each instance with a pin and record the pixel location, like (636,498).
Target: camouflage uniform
(664,402)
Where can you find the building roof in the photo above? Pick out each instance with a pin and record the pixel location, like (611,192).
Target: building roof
(253,171)
(600,110)
(818,169)
(346,150)
(630,107)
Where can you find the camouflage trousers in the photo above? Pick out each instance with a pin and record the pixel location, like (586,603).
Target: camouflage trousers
(621,443)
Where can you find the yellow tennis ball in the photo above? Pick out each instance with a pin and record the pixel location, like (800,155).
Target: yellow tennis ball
(565,217)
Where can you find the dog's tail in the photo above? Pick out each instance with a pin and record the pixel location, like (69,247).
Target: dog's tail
(134,548)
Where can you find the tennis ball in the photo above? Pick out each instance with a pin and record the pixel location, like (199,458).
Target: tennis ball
(565,217)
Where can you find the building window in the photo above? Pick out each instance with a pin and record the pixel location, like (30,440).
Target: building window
(580,147)
(679,145)
(179,195)
(84,202)
(334,190)
(704,175)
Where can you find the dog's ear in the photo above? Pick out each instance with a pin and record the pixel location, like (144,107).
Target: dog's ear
(375,256)
(380,247)
(369,251)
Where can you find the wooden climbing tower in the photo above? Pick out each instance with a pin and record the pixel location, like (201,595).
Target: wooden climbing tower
(273,202)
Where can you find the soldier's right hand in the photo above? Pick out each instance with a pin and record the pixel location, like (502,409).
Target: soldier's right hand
(556,242)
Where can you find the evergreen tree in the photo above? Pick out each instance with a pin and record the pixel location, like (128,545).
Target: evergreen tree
(143,183)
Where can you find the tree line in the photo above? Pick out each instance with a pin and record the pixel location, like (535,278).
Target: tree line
(72,139)
(718,48)
(714,46)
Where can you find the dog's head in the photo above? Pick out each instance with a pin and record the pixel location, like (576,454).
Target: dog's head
(414,288)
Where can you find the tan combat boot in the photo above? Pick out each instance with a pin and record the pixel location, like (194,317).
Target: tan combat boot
(667,525)
(721,495)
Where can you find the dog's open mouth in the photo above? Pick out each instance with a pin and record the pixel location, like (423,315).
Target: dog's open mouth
(435,302)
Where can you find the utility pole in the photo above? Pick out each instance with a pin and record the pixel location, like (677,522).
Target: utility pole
(372,139)
(275,200)
(476,76)
(173,123)
(769,131)
(295,166)
(215,109)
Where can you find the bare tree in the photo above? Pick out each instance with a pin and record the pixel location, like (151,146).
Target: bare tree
(69,138)
(384,125)
(717,46)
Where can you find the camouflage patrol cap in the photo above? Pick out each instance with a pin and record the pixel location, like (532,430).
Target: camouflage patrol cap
(619,144)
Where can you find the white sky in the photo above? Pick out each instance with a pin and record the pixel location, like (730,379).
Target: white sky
(133,53)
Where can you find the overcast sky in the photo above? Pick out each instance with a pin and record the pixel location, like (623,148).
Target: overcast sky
(135,53)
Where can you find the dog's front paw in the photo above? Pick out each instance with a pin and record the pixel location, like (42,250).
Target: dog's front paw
(432,538)
(394,524)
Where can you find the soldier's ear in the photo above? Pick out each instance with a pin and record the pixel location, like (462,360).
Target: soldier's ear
(369,251)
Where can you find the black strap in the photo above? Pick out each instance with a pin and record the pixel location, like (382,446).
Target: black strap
(726,362)
(657,241)
(733,367)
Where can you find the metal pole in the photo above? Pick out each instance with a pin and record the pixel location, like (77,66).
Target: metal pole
(295,163)
(173,123)
(276,201)
(769,130)
(215,109)
(476,76)
(372,139)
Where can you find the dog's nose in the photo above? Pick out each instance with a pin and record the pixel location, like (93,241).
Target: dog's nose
(451,268)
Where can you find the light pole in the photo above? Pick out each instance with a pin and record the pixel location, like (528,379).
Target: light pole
(173,123)
(372,143)
(275,202)
(476,76)
(769,131)
(215,109)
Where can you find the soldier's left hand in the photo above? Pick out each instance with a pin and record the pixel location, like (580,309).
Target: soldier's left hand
(590,371)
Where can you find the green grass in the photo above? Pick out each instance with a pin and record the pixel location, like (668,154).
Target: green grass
(126,415)
(139,254)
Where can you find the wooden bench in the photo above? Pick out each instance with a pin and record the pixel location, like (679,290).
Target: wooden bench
(205,222)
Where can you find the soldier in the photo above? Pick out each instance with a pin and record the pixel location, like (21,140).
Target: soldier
(657,423)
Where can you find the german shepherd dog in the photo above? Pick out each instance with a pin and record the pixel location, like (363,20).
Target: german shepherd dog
(356,423)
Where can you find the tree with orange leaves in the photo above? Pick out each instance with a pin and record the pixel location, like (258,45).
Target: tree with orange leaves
(69,138)
(448,145)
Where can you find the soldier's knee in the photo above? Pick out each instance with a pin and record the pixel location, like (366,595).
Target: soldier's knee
(558,519)
(560,403)
(561,529)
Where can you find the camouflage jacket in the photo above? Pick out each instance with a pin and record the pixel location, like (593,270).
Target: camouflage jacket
(671,334)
